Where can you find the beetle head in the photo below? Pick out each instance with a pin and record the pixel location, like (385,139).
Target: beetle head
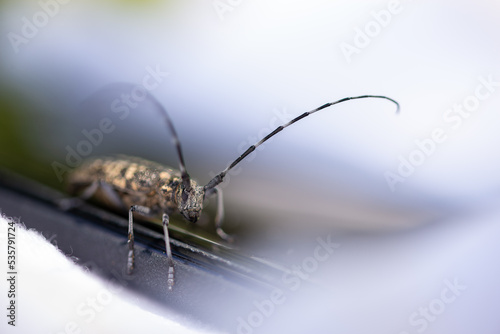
(190,201)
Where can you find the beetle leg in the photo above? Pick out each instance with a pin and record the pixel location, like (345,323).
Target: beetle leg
(219,216)
(112,195)
(143,211)
(170,277)
(72,202)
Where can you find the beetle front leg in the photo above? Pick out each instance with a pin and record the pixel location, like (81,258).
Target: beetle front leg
(170,275)
(145,211)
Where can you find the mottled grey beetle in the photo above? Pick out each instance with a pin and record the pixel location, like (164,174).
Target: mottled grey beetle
(153,190)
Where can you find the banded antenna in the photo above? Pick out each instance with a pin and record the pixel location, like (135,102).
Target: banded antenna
(220,177)
(100,98)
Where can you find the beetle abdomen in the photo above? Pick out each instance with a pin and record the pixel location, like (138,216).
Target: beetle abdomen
(132,179)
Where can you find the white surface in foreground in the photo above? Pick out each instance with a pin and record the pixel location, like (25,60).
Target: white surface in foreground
(54,295)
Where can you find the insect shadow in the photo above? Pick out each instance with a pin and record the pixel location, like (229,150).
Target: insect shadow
(153,190)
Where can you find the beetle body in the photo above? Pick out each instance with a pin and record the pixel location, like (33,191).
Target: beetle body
(135,181)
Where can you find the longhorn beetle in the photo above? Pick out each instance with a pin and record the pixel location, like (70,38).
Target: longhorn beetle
(151,189)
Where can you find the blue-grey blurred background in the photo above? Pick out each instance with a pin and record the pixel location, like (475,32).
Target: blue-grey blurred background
(411,198)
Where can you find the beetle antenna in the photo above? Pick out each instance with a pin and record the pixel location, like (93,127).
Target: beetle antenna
(176,142)
(220,177)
